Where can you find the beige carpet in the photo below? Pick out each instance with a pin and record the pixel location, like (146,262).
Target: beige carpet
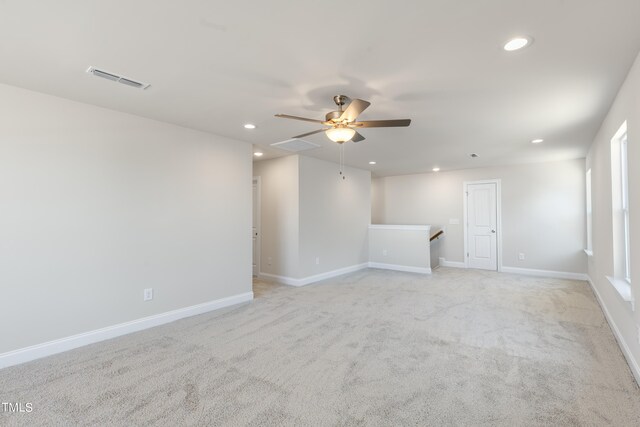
(370,348)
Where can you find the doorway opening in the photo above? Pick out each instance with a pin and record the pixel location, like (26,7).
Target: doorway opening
(255,234)
(483,225)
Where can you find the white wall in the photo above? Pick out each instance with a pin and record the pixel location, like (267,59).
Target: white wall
(279,215)
(309,212)
(543,214)
(335,214)
(96,205)
(624,320)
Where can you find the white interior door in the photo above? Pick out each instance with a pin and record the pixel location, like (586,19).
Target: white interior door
(255,230)
(482,215)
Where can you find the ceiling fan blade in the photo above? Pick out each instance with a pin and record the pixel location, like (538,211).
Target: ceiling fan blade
(287,116)
(357,137)
(309,133)
(354,109)
(383,123)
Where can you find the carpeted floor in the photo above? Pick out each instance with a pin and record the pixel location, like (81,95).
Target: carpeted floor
(375,347)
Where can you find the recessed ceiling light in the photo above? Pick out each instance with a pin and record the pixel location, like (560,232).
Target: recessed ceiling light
(517,43)
(436,169)
(372,163)
(537,141)
(249,126)
(258,153)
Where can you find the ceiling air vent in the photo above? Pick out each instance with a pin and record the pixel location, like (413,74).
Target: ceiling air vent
(117,78)
(295,144)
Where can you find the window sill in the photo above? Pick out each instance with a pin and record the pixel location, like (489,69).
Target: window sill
(624,290)
(588,252)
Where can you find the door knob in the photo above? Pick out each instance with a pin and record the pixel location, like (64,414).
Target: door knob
(493,231)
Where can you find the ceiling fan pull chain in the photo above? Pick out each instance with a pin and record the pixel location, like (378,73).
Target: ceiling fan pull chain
(342,159)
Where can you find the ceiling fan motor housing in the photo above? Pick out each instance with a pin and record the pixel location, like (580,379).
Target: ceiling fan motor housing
(333,116)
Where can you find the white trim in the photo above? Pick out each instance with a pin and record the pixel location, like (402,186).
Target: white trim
(623,289)
(631,361)
(330,274)
(395,267)
(38,351)
(285,280)
(453,264)
(545,273)
(399,227)
(498,183)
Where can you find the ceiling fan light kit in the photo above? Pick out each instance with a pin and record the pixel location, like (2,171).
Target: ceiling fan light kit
(340,134)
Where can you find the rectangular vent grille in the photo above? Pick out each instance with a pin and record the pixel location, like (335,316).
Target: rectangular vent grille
(295,145)
(116,78)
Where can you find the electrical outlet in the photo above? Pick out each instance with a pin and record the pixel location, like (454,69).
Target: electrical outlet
(638,326)
(317,260)
(269,261)
(384,252)
(521,256)
(148,294)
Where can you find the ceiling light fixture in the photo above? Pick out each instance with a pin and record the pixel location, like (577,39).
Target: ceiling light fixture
(436,169)
(258,153)
(474,155)
(537,141)
(517,43)
(249,126)
(372,163)
(340,134)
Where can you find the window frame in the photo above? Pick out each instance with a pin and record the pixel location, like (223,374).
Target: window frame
(624,198)
(589,212)
(621,278)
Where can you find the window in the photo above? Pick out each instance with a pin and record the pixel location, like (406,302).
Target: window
(589,249)
(624,184)
(621,279)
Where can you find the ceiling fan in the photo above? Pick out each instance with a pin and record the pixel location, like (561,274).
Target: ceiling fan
(343,123)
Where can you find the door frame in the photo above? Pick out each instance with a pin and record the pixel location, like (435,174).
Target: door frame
(465,186)
(258,182)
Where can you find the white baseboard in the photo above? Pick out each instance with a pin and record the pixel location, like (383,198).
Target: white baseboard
(312,279)
(631,361)
(395,267)
(285,280)
(524,271)
(546,273)
(38,351)
(454,264)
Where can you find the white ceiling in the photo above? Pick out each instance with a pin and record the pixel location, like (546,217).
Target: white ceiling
(215,65)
